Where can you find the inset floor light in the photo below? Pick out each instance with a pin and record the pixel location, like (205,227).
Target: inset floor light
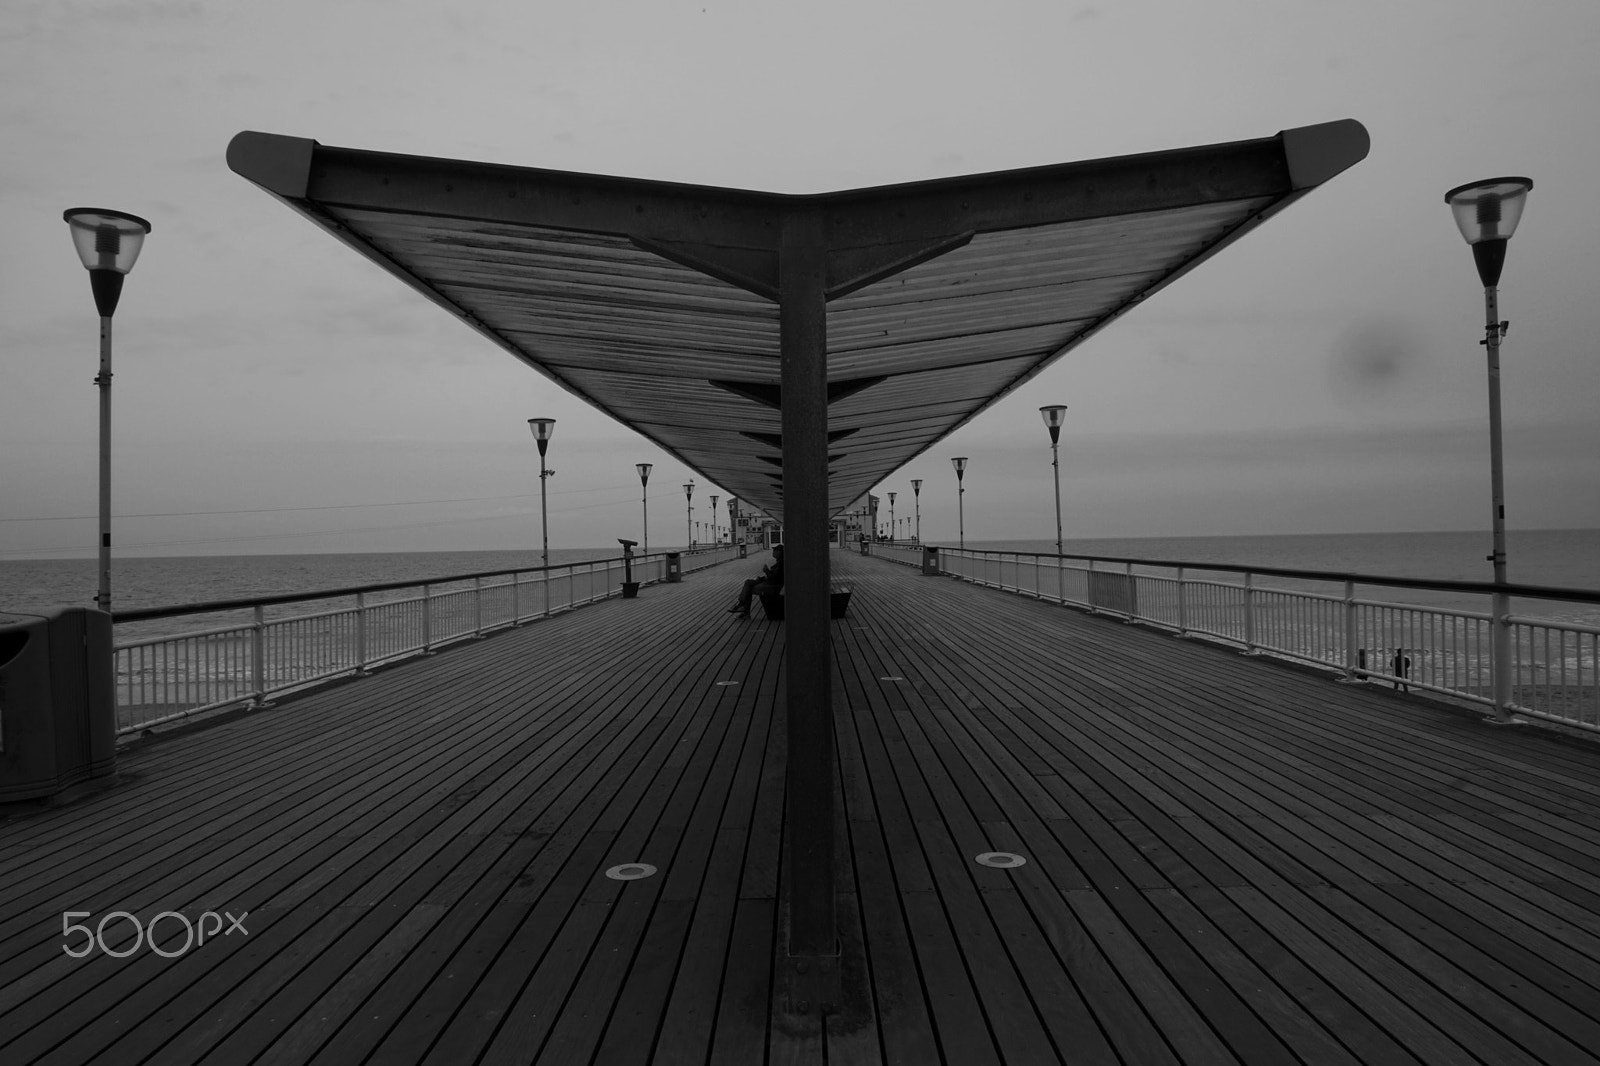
(1003,860)
(630,871)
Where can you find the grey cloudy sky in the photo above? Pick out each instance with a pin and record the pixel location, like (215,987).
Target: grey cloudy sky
(1323,375)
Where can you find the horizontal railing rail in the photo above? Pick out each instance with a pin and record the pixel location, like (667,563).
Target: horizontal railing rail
(248,651)
(1512,663)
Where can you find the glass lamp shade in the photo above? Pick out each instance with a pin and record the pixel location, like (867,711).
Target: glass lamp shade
(644,470)
(1488,210)
(960,464)
(733,504)
(688,490)
(106,240)
(891,499)
(1054,415)
(542,428)
(916,486)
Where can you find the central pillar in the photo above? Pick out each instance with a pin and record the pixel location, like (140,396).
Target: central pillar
(808,810)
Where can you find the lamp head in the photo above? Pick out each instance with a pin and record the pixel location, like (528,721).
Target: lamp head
(542,428)
(1054,415)
(108,243)
(960,463)
(1487,213)
(106,240)
(644,471)
(916,486)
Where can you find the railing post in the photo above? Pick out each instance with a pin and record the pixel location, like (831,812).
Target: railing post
(1500,650)
(1249,613)
(477,606)
(544,581)
(1350,631)
(258,651)
(1183,606)
(516,598)
(361,632)
(1133,599)
(427,619)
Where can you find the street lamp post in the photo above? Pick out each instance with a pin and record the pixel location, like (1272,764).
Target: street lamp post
(108,244)
(1054,415)
(1487,213)
(688,518)
(916,492)
(960,464)
(733,521)
(713,521)
(542,429)
(644,501)
(891,518)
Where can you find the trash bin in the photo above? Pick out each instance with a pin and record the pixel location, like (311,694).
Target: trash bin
(674,566)
(865,546)
(930,560)
(743,549)
(57,704)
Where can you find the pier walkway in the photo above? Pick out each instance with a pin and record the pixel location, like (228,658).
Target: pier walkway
(1227,859)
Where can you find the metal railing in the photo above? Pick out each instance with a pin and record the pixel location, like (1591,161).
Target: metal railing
(1545,668)
(254,649)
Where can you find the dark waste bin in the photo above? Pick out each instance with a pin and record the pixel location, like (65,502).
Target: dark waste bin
(930,560)
(743,549)
(674,567)
(865,546)
(57,704)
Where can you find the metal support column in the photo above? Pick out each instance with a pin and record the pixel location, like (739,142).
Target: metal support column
(808,810)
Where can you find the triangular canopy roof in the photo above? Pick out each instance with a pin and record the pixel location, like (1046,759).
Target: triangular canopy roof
(658,302)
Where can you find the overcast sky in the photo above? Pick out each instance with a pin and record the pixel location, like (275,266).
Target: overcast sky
(1322,375)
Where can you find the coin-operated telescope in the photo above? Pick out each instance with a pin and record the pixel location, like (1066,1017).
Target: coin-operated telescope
(630,587)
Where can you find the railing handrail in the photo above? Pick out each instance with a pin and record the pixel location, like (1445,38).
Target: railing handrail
(145,614)
(1517,665)
(1539,592)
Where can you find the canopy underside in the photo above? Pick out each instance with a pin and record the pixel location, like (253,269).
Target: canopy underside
(659,304)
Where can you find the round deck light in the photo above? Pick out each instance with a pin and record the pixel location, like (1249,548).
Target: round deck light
(630,871)
(1001,860)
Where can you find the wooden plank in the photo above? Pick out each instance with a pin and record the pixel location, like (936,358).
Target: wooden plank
(740,1036)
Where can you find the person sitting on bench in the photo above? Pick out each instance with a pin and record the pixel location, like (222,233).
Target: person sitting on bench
(771,580)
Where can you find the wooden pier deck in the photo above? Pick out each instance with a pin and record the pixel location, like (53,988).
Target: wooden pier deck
(1227,860)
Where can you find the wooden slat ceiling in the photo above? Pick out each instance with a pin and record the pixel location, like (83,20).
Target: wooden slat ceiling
(569,282)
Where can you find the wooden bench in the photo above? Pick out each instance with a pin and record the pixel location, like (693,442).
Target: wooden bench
(838,603)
